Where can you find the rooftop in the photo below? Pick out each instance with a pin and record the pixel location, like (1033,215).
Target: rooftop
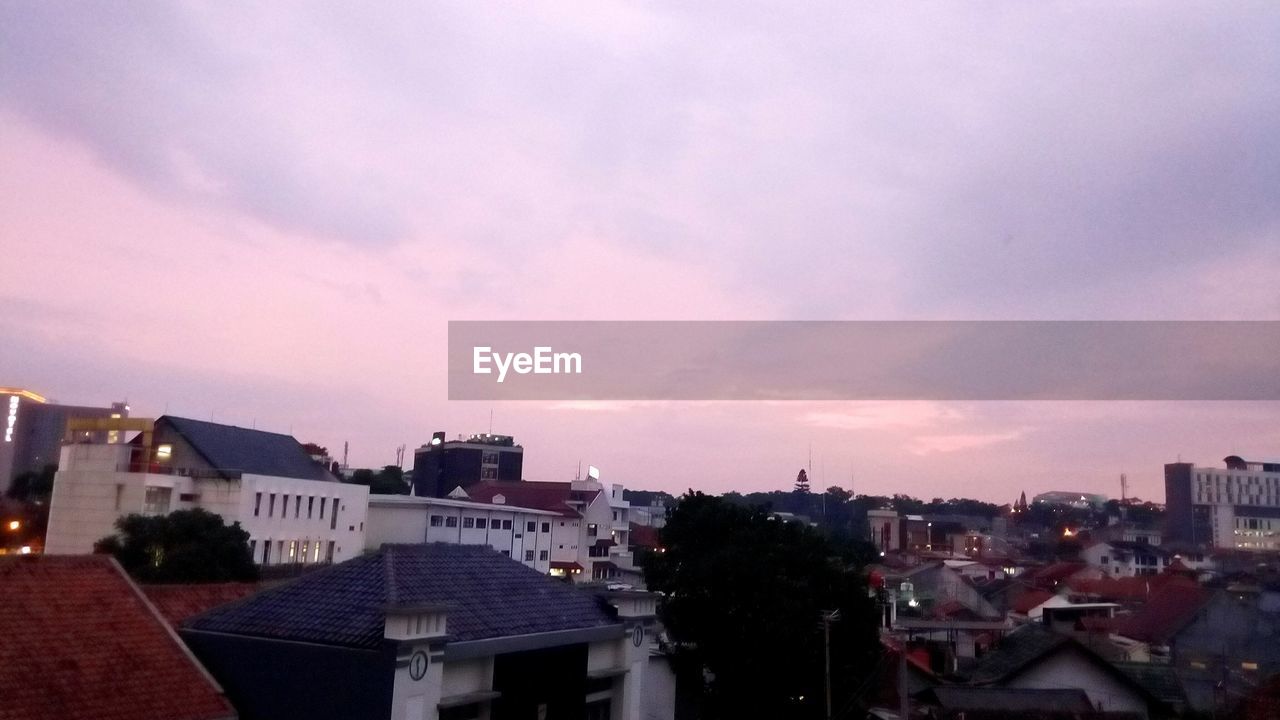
(81,642)
(558,497)
(486,595)
(176,603)
(256,452)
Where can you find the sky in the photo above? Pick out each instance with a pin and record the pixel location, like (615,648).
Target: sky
(266,215)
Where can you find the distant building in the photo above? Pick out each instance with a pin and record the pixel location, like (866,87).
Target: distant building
(442,465)
(1233,507)
(34,429)
(294,511)
(590,537)
(432,631)
(1070,498)
(522,534)
(81,641)
(1121,558)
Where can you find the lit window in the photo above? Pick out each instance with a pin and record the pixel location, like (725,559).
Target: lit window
(164,452)
(156,501)
(1246,665)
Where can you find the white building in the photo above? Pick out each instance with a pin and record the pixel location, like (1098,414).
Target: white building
(523,534)
(294,511)
(590,534)
(1233,507)
(1119,558)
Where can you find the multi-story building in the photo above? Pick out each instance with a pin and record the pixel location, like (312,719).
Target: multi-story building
(523,534)
(442,465)
(590,537)
(34,429)
(294,511)
(1233,507)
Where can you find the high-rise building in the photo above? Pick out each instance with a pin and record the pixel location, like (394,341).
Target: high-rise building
(34,430)
(442,465)
(1233,507)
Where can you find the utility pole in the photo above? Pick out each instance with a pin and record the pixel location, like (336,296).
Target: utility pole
(828,617)
(904,698)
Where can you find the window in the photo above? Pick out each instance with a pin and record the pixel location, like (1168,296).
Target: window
(328,553)
(436,521)
(119,494)
(284,505)
(530,526)
(315,552)
(156,501)
(257,504)
(451,522)
(506,524)
(546,527)
(333,516)
(266,551)
(468,522)
(306,547)
(321,508)
(297,506)
(271,505)
(489,457)
(481,523)
(591,529)
(280,549)
(528,556)
(164,452)
(293,551)
(253,548)
(1103,560)
(542,555)
(311,505)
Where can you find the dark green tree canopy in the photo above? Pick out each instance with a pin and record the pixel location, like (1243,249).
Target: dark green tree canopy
(387,481)
(744,596)
(186,546)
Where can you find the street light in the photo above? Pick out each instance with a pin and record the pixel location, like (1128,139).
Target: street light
(14,524)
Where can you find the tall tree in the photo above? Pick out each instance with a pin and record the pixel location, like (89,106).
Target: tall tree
(743,597)
(186,546)
(802,482)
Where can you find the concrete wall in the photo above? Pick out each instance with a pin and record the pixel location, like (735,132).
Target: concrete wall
(1069,669)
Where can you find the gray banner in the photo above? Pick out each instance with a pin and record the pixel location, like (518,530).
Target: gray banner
(891,360)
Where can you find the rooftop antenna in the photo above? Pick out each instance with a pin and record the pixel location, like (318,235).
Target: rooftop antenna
(400,456)
(578,476)
(1124,488)
(344,454)
(490,421)
(810,459)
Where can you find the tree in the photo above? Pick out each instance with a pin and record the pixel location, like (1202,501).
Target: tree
(743,596)
(387,481)
(802,482)
(186,546)
(33,487)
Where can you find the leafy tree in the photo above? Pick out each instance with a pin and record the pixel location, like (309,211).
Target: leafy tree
(33,487)
(387,481)
(743,600)
(186,546)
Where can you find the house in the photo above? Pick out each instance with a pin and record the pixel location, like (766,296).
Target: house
(82,642)
(522,534)
(1121,558)
(1034,657)
(294,511)
(590,533)
(1229,645)
(426,631)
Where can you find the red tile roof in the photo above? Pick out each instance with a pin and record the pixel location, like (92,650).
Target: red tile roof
(553,496)
(179,602)
(1125,589)
(644,536)
(1164,614)
(1029,600)
(1051,575)
(81,642)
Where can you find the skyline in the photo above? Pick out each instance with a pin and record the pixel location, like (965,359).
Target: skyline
(266,216)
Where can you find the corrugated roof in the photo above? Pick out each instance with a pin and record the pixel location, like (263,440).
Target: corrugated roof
(78,641)
(227,447)
(487,595)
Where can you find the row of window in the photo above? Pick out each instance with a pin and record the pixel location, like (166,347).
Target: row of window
(282,552)
(542,555)
(297,507)
(479,523)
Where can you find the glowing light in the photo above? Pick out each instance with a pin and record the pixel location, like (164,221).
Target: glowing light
(1066,532)
(26,550)
(164,451)
(14,524)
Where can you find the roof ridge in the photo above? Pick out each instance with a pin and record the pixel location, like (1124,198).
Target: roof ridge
(389,575)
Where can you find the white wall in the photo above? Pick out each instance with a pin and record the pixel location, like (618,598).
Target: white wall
(1069,669)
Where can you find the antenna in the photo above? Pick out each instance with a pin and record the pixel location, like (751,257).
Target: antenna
(490,421)
(344,454)
(1124,487)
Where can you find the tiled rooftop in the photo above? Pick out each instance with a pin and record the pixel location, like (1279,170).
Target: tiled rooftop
(79,642)
(486,595)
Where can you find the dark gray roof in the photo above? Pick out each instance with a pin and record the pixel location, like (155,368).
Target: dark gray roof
(1012,699)
(1160,680)
(227,447)
(486,595)
(1016,651)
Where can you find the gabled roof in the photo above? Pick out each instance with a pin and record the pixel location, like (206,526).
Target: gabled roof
(1030,600)
(78,641)
(257,452)
(1017,651)
(557,497)
(486,595)
(1054,573)
(179,602)
(1132,589)
(1164,614)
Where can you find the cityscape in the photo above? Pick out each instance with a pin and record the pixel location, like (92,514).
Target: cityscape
(639,361)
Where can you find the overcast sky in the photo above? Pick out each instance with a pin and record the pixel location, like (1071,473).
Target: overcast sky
(267,215)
